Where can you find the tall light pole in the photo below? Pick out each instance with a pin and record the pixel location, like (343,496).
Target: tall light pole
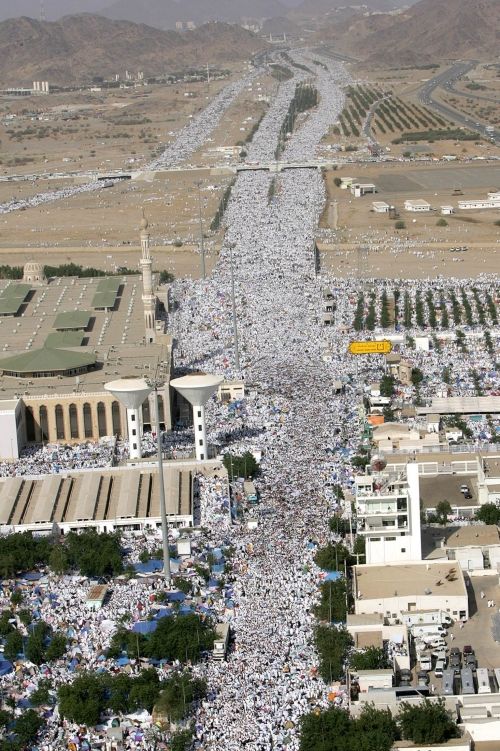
(155,383)
(202,242)
(233,303)
(132,392)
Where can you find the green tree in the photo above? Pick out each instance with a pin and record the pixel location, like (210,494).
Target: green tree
(443,511)
(57,647)
(427,722)
(325,731)
(387,386)
(332,557)
(372,658)
(374,729)
(16,597)
(27,726)
(5,718)
(82,701)
(25,617)
(399,224)
(41,695)
(178,695)
(181,741)
(58,560)
(13,645)
(488,513)
(339,525)
(332,605)
(241,466)
(416,376)
(441,222)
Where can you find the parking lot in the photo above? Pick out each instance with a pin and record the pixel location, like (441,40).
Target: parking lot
(447,488)
(476,632)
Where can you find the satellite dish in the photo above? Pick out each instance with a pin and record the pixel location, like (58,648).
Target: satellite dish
(378,463)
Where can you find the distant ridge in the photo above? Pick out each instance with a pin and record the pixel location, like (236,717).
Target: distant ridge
(431,30)
(77,48)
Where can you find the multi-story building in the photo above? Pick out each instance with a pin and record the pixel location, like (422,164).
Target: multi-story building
(388,513)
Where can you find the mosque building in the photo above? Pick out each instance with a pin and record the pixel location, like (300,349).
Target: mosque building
(62,339)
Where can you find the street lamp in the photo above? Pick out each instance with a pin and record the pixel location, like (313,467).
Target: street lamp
(132,392)
(161,484)
(233,304)
(202,242)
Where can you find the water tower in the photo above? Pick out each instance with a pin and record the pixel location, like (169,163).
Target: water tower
(131,392)
(197,390)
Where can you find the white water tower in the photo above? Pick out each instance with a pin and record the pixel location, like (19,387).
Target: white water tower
(197,390)
(131,392)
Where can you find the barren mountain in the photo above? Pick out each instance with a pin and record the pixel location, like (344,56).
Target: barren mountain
(77,48)
(430,30)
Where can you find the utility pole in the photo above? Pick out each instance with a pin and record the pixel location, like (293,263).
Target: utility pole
(233,302)
(155,383)
(202,242)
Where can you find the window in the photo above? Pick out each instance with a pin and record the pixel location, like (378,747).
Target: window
(200,427)
(199,413)
(202,456)
(403,550)
(132,417)
(134,446)
(374,539)
(134,431)
(200,442)
(390,539)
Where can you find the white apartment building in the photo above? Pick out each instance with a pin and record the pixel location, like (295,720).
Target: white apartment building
(388,512)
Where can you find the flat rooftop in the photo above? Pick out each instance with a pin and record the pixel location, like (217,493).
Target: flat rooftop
(121,496)
(476,535)
(440,579)
(116,337)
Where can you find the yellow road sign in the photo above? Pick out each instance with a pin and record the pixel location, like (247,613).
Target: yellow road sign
(370,348)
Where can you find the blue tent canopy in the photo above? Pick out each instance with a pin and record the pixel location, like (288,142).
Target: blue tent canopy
(122,661)
(5,667)
(213,584)
(31,576)
(176,596)
(149,567)
(218,568)
(163,613)
(332,576)
(185,610)
(145,627)
(217,553)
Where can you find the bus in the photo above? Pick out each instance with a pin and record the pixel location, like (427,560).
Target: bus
(483,681)
(467,680)
(250,491)
(448,682)
(221,642)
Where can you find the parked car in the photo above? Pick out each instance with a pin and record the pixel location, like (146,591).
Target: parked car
(422,678)
(468,650)
(464,488)
(405,677)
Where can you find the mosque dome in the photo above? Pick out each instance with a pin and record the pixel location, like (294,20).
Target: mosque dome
(34,272)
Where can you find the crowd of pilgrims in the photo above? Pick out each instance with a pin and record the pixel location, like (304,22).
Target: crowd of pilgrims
(291,413)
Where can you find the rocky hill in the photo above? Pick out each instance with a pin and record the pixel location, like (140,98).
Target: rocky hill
(77,48)
(431,30)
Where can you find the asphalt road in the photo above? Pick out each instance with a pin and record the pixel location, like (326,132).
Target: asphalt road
(445,80)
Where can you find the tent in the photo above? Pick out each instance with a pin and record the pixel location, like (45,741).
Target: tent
(5,667)
(332,576)
(149,567)
(145,627)
(176,596)
(163,613)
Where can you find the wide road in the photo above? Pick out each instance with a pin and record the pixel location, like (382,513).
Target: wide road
(444,80)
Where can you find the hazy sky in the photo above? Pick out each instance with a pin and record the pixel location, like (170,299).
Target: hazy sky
(56,8)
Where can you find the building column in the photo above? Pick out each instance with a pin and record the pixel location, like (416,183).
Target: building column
(36,423)
(66,422)
(109,418)
(51,422)
(81,423)
(94,420)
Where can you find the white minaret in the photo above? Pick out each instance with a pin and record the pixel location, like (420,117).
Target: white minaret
(148,296)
